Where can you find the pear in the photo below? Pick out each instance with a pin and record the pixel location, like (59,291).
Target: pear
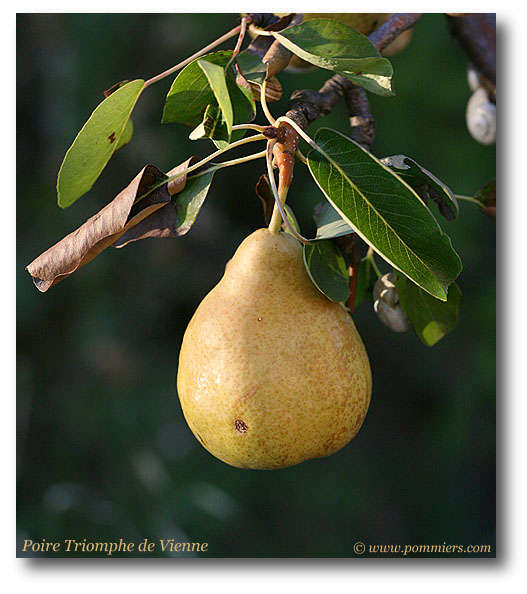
(271,372)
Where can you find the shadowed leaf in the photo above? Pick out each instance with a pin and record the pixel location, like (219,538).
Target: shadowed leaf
(487,196)
(327,268)
(384,211)
(329,223)
(431,319)
(263,191)
(427,185)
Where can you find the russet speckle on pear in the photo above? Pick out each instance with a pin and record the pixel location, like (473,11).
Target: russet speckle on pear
(271,372)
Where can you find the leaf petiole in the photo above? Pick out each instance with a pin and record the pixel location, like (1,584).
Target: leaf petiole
(263,102)
(470,199)
(370,255)
(198,54)
(230,163)
(199,164)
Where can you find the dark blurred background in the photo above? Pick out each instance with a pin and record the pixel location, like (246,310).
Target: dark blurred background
(103,451)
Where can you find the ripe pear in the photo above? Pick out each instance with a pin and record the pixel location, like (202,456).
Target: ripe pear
(271,372)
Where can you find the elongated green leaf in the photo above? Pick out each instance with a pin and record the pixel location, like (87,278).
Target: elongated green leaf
(332,45)
(427,185)
(127,134)
(327,268)
(191,94)
(95,143)
(384,211)
(216,76)
(430,318)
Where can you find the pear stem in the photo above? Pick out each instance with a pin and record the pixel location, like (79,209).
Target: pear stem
(280,196)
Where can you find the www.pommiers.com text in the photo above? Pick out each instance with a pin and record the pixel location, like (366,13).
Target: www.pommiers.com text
(359,548)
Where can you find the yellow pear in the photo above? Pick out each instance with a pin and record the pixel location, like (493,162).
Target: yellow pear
(271,372)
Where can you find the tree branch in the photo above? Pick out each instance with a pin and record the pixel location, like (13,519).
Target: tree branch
(477,35)
(306,106)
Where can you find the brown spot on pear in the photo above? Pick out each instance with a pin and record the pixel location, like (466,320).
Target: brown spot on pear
(306,369)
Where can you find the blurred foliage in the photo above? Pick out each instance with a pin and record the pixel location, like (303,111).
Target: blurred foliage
(103,451)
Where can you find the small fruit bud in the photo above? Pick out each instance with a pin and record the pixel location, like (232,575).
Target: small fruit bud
(386,304)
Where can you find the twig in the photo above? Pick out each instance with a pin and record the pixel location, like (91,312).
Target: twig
(198,54)
(392,28)
(477,35)
(306,106)
(350,248)
(361,120)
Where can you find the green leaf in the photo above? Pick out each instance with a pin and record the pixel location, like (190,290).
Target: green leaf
(191,95)
(430,318)
(127,134)
(384,211)
(94,145)
(427,185)
(207,127)
(292,220)
(334,46)
(191,199)
(365,282)
(175,218)
(327,268)
(330,224)
(252,67)
(487,194)
(216,76)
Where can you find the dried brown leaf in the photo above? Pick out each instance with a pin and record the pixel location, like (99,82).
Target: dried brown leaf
(263,191)
(165,222)
(107,226)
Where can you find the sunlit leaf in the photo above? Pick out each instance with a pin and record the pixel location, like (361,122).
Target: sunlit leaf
(94,145)
(191,95)
(332,45)
(216,77)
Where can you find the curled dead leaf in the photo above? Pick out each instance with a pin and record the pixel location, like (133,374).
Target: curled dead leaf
(263,191)
(273,90)
(123,213)
(177,217)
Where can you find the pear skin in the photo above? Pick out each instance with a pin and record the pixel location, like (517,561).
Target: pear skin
(271,372)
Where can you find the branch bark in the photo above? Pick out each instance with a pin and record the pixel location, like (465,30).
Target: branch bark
(305,106)
(477,35)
